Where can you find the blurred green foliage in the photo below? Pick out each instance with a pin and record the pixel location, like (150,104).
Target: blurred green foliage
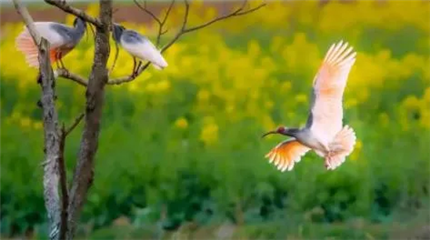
(183,145)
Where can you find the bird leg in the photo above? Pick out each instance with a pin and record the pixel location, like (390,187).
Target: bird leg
(61,64)
(328,159)
(138,67)
(134,67)
(57,64)
(59,61)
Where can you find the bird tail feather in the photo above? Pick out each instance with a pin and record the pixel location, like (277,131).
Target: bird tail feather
(341,147)
(157,67)
(159,63)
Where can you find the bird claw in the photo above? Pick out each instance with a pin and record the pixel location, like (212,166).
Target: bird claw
(134,75)
(328,159)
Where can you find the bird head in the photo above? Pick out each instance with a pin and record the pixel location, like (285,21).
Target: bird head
(117,30)
(79,22)
(279,130)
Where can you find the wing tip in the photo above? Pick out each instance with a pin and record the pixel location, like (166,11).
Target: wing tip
(285,158)
(25,44)
(340,54)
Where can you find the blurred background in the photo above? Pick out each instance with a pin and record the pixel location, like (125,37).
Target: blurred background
(180,154)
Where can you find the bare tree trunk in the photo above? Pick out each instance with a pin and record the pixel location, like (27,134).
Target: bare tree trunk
(50,123)
(52,146)
(83,176)
(52,143)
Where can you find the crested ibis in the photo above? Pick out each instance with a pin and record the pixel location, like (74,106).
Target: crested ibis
(62,39)
(138,46)
(323,132)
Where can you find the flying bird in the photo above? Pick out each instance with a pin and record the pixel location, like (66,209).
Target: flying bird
(138,46)
(62,39)
(323,132)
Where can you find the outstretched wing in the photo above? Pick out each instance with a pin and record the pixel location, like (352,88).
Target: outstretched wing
(285,154)
(24,42)
(326,113)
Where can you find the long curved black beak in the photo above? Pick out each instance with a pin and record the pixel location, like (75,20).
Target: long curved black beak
(268,133)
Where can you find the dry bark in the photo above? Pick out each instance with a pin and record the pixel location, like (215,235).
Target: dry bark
(50,124)
(84,172)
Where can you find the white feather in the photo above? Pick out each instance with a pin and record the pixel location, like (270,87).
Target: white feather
(146,51)
(46,31)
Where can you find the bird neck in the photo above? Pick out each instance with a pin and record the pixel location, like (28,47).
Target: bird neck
(291,132)
(79,30)
(117,32)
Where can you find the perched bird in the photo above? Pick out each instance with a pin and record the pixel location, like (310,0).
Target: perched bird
(62,39)
(139,47)
(323,132)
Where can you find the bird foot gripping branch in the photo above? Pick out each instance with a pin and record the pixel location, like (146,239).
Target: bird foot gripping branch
(323,132)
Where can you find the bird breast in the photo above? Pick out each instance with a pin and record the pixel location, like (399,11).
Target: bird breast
(308,139)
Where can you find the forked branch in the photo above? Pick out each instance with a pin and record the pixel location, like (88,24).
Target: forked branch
(62,4)
(239,12)
(161,30)
(183,30)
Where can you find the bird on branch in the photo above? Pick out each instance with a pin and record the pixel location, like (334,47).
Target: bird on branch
(62,40)
(138,46)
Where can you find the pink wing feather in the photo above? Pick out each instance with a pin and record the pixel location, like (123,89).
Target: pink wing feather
(329,85)
(286,154)
(25,44)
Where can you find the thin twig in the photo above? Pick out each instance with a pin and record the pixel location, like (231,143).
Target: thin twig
(238,12)
(74,124)
(147,11)
(72,76)
(187,11)
(160,32)
(77,12)
(183,30)
(160,23)
(122,80)
(168,12)
(116,57)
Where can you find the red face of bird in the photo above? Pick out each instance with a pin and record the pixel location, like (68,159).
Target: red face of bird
(279,130)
